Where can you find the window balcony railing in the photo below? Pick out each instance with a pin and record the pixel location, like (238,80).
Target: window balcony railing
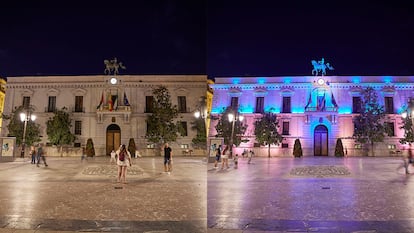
(77,109)
(326,109)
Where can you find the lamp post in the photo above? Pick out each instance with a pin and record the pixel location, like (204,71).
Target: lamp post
(25,117)
(232,119)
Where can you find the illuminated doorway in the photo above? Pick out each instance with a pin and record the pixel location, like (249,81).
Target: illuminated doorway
(113,138)
(320,143)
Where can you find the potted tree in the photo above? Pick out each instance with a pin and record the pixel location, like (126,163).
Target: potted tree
(297,149)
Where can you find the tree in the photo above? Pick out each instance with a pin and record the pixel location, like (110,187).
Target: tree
(266,130)
(199,125)
(297,148)
(224,128)
(160,124)
(369,126)
(90,149)
(131,147)
(200,140)
(58,128)
(339,148)
(16,127)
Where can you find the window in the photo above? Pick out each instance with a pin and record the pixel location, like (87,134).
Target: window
(285,128)
(182,105)
(358,146)
(259,105)
(51,107)
(356,104)
(234,102)
(149,104)
(285,145)
(390,128)
(389,105)
(286,105)
(26,102)
(151,146)
(184,128)
(78,127)
(184,146)
(78,103)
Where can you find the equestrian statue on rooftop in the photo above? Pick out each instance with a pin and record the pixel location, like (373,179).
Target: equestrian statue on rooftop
(112,66)
(320,66)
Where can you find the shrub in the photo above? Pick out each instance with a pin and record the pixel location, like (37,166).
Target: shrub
(90,149)
(297,149)
(131,147)
(339,148)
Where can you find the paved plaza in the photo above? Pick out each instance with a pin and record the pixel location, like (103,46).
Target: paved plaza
(70,195)
(276,195)
(311,194)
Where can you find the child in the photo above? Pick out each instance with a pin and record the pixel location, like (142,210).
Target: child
(236,162)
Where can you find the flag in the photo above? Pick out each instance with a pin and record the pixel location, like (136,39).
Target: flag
(110,103)
(115,101)
(334,101)
(309,100)
(100,103)
(321,103)
(126,102)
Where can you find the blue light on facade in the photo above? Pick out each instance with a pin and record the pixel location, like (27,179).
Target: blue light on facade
(298,110)
(287,79)
(387,79)
(356,79)
(345,110)
(235,80)
(261,80)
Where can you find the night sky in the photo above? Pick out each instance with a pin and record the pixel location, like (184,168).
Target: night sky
(218,38)
(74,38)
(280,38)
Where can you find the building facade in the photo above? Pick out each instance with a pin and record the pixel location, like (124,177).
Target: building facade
(2,97)
(110,109)
(317,110)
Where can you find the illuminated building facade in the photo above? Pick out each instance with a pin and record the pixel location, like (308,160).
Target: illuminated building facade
(315,109)
(2,97)
(109,109)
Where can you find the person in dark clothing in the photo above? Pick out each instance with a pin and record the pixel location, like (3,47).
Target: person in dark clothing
(167,158)
(41,155)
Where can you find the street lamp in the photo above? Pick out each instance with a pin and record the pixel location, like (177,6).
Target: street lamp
(25,118)
(232,119)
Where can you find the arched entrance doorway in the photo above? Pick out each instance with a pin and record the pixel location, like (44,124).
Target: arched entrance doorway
(320,141)
(113,138)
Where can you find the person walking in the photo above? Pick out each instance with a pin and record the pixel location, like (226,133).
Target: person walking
(113,157)
(123,161)
(167,158)
(218,156)
(225,158)
(41,155)
(33,154)
(250,156)
(83,156)
(236,161)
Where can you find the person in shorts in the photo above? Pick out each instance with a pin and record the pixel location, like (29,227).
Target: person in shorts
(167,158)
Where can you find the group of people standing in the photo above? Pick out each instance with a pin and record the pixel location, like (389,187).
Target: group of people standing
(37,155)
(123,160)
(225,154)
